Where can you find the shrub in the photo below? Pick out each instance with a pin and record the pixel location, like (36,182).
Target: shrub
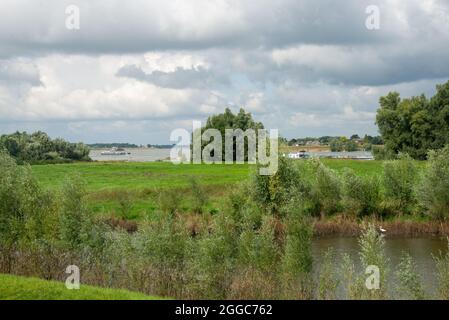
(433,189)
(442,265)
(327,280)
(372,253)
(273,192)
(74,215)
(169,200)
(212,260)
(200,196)
(398,179)
(361,195)
(258,249)
(125,205)
(409,279)
(352,281)
(297,258)
(382,153)
(326,189)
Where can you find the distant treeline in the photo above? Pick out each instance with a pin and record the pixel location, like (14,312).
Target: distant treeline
(338,143)
(160,146)
(128,145)
(38,147)
(112,145)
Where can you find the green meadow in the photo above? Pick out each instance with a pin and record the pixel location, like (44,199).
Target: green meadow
(107,182)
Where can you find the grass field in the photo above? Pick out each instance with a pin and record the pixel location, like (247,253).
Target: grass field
(22,288)
(142,181)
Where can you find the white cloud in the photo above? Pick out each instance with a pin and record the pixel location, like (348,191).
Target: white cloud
(148,65)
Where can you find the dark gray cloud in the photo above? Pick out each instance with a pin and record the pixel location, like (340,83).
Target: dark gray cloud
(198,78)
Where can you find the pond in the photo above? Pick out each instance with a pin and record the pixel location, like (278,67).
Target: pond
(421,250)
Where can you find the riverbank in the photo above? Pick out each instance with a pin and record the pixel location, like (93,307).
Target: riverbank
(342,227)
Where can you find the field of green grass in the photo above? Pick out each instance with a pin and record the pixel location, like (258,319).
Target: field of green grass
(23,288)
(142,181)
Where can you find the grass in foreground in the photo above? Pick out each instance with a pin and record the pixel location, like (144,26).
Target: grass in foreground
(23,288)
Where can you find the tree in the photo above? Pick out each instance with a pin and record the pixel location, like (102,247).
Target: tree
(414,125)
(39,147)
(242,120)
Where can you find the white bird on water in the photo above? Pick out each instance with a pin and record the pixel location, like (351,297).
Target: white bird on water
(382,230)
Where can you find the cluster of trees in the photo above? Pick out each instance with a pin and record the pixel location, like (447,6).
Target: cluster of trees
(339,143)
(343,144)
(242,120)
(414,125)
(38,147)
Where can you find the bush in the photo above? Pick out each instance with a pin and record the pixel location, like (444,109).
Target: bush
(169,200)
(409,279)
(361,195)
(327,279)
(74,215)
(273,192)
(212,260)
(433,189)
(200,196)
(382,153)
(297,258)
(398,179)
(326,189)
(442,265)
(372,253)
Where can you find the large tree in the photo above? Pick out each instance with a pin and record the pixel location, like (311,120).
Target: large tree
(227,120)
(414,125)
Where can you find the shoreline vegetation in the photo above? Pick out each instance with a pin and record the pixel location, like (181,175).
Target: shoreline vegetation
(222,232)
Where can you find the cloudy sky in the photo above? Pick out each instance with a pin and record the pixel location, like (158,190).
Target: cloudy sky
(135,70)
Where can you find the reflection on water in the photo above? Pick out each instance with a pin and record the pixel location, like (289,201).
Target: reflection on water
(421,250)
(136,155)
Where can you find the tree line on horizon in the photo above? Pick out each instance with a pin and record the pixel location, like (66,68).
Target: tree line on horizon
(38,147)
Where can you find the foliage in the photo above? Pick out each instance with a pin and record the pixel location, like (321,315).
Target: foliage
(327,280)
(409,279)
(415,125)
(326,189)
(398,179)
(242,120)
(433,189)
(343,144)
(200,197)
(274,192)
(38,147)
(372,253)
(297,259)
(442,265)
(361,195)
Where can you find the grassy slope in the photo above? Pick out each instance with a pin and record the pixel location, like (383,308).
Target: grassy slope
(22,288)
